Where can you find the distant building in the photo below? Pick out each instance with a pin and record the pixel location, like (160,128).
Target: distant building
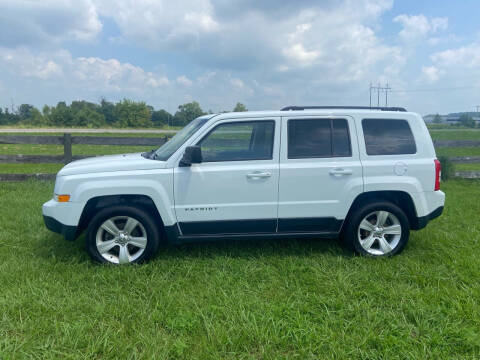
(452,118)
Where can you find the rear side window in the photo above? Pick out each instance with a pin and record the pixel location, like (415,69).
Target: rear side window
(388,137)
(314,138)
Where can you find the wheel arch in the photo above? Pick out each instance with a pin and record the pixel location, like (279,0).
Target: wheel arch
(400,198)
(97,203)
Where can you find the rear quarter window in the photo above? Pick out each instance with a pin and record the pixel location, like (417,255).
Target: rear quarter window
(388,137)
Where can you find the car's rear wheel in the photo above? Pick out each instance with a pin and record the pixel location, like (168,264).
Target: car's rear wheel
(122,235)
(377,229)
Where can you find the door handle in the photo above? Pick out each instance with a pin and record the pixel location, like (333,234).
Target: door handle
(259,174)
(341,171)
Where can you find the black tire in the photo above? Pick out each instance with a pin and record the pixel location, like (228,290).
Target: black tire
(151,229)
(350,233)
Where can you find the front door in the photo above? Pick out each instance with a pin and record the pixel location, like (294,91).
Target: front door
(235,188)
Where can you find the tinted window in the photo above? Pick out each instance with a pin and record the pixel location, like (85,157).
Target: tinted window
(310,138)
(239,141)
(341,138)
(388,137)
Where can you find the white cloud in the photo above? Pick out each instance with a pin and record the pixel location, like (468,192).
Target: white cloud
(82,72)
(47,22)
(416,27)
(183,80)
(238,83)
(465,57)
(431,73)
(159,24)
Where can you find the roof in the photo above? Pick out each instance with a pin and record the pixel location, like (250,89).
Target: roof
(315,111)
(381,108)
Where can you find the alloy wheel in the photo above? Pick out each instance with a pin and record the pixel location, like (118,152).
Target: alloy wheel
(121,239)
(379,232)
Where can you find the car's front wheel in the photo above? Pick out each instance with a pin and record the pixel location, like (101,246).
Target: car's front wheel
(122,235)
(378,229)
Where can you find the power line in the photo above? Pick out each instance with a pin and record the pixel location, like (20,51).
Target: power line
(437,89)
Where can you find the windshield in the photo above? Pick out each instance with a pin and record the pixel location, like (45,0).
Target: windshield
(167,149)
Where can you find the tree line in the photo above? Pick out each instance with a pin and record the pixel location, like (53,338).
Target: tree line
(123,114)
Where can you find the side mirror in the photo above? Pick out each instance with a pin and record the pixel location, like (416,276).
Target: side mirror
(192,155)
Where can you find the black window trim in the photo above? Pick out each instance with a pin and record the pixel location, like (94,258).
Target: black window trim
(241,122)
(390,119)
(331,140)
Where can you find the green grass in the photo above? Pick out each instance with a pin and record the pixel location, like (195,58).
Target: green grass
(26,149)
(30,168)
(455,134)
(459,151)
(241,299)
(467,167)
(143,134)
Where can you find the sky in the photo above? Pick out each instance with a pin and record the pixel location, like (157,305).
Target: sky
(266,54)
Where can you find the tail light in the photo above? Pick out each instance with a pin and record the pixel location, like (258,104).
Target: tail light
(438,174)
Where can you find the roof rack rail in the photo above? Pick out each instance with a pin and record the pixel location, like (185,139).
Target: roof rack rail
(288,108)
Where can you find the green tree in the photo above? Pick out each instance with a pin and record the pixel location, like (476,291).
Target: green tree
(240,107)
(161,117)
(187,112)
(107,108)
(466,120)
(132,114)
(3,117)
(25,111)
(36,118)
(89,118)
(437,119)
(47,112)
(62,115)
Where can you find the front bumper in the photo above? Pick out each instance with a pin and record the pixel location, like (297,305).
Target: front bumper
(62,218)
(68,232)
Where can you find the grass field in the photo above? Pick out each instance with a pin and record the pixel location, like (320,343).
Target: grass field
(455,134)
(240,300)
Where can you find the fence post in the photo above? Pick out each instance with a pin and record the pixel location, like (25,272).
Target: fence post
(67,148)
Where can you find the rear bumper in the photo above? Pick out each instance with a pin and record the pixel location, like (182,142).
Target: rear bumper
(68,232)
(423,220)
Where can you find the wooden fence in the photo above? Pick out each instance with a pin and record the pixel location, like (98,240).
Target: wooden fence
(67,140)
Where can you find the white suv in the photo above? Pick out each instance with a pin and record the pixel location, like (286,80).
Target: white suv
(368,175)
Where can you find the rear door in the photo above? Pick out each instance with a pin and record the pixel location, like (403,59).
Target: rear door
(320,173)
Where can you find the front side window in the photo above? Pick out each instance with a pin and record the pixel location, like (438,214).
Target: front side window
(237,141)
(316,138)
(388,137)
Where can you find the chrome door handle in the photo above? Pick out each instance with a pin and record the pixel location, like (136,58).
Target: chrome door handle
(259,174)
(341,171)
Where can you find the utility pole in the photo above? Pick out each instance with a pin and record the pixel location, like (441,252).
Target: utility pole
(378,89)
(478,108)
(370,94)
(378,95)
(386,95)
